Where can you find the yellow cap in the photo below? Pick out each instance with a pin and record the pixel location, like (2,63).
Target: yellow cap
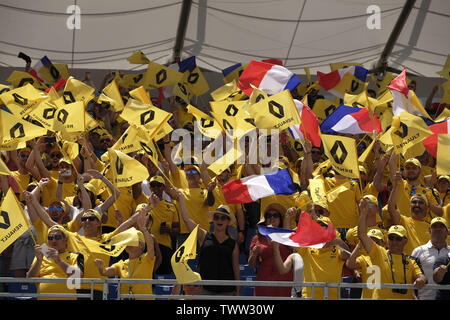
(93,212)
(398,230)
(323,219)
(371,199)
(414,161)
(444,177)
(158,179)
(439,220)
(419,195)
(377,233)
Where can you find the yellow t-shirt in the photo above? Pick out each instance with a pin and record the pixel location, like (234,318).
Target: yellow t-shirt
(365,262)
(352,235)
(343,208)
(403,273)
(49,191)
(50,270)
(179,179)
(23,180)
(140,268)
(321,265)
(445,197)
(197,209)
(163,212)
(417,233)
(42,229)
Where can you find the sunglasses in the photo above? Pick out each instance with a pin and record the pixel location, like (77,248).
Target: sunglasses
(24,155)
(156,185)
(218,217)
(90,218)
(420,202)
(191,172)
(51,208)
(56,237)
(272,215)
(56,155)
(395,238)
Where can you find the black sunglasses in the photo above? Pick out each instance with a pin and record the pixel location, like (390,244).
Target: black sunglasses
(395,238)
(218,217)
(56,155)
(272,215)
(91,218)
(421,202)
(56,237)
(156,185)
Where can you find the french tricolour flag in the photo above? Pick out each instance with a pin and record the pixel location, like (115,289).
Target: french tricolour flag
(309,128)
(330,80)
(43,62)
(270,78)
(252,188)
(353,120)
(431,142)
(308,233)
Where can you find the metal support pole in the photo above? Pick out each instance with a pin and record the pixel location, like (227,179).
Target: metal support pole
(181,31)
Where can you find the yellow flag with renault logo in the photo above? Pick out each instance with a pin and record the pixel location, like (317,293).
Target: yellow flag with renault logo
(443,151)
(225,91)
(76,90)
(110,94)
(138,57)
(124,171)
(20,78)
(406,131)
(159,76)
(54,72)
(13,221)
(275,112)
(69,118)
(341,151)
(207,125)
(179,260)
(145,115)
(323,108)
(22,100)
(224,162)
(15,130)
(231,117)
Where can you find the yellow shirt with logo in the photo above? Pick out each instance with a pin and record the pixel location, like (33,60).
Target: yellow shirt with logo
(197,208)
(51,270)
(417,232)
(163,212)
(48,192)
(140,268)
(402,272)
(321,265)
(365,263)
(42,229)
(405,191)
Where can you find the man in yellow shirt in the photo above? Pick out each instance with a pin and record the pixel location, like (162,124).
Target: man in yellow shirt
(442,186)
(394,266)
(57,263)
(415,223)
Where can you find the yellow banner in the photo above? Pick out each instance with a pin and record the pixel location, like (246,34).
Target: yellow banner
(22,100)
(20,78)
(195,81)
(225,161)
(13,221)
(341,151)
(76,90)
(13,129)
(179,260)
(138,57)
(231,117)
(69,118)
(54,72)
(159,76)
(112,96)
(206,124)
(124,170)
(323,108)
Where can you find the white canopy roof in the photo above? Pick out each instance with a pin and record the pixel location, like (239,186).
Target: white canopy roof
(221,33)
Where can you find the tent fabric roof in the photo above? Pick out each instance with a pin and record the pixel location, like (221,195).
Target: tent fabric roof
(220,33)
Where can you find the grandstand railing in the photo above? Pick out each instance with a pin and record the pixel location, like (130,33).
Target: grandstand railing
(117,281)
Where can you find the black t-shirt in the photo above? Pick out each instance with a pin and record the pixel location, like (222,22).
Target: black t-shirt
(216,261)
(443,294)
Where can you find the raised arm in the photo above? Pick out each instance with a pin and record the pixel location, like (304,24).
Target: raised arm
(351,262)
(114,191)
(366,242)
(141,223)
(392,202)
(306,168)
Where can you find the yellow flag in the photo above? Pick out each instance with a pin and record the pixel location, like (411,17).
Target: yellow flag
(82,244)
(179,260)
(349,84)
(130,81)
(51,74)
(323,108)
(235,74)
(276,112)
(14,145)
(207,125)
(195,81)
(443,151)
(69,118)
(112,96)
(138,57)
(4,88)
(20,78)
(231,117)
(163,131)
(317,190)
(13,129)
(13,221)
(406,131)
(128,142)
(382,83)
(4,169)
(445,72)
(303,88)
(361,100)
(341,151)
(443,115)
(44,113)
(148,116)
(182,91)
(69,149)
(141,94)
(225,161)
(76,90)
(124,170)
(22,100)
(223,92)
(158,75)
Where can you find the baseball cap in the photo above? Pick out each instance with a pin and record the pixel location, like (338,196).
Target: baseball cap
(413,161)
(371,198)
(323,219)
(419,195)
(92,212)
(439,220)
(157,179)
(377,233)
(446,177)
(398,230)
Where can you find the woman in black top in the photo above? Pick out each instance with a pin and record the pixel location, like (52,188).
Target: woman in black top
(218,253)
